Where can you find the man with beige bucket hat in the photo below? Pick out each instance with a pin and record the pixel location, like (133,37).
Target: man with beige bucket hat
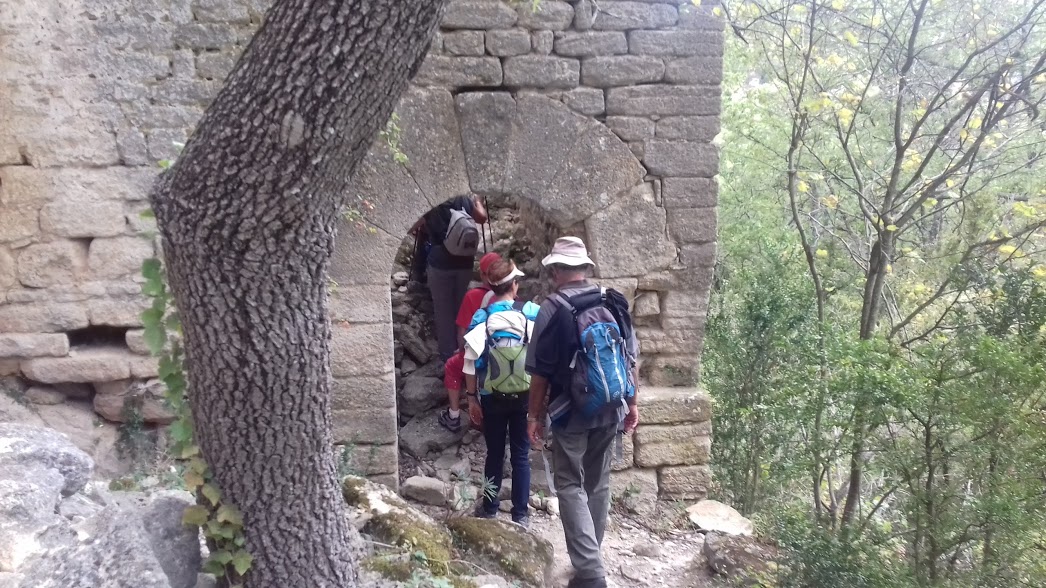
(583,390)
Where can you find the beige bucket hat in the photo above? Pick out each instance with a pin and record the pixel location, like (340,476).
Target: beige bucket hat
(568,251)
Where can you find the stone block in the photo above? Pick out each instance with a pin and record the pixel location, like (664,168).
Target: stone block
(538,71)
(550,15)
(164,143)
(647,304)
(629,238)
(117,257)
(362,257)
(18,221)
(700,18)
(464,43)
(690,192)
(678,43)
(698,255)
(144,367)
(135,339)
(692,225)
(204,36)
(221,11)
(631,128)
(70,218)
(486,135)
(26,345)
(686,304)
(586,101)
(374,425)
(689,128)
(442,70)
(478,14)
(621,70)
(622,16)
(366,459)
(130,143)
(52,264)
(118,401)
(8,269)
(669,406)
(362,303)
(361,392)
(674,279)
(542,42)
(215,66)
(126,312)
(666,445)
(684,341)
(635,490)
(42,318)
(104,364)
(507,43)
(361,350)
(597,170)
(590,44)
(144,115)
(694,70)
(681,158)
(684,482)
(672,371)
(664,100)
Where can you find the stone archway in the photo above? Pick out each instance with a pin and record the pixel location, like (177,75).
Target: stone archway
(530,147)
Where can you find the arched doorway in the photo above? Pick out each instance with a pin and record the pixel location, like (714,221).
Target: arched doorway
(580,176)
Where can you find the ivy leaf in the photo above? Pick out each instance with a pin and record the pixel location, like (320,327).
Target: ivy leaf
(221,556)
(151,268)
(211,493)
(155,337)
(195,516)
(197,465)
(193,480)
(147,214)
(241,561)
(180,431)
(230,514)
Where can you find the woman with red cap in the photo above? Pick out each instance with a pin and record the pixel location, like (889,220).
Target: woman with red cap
(453,378)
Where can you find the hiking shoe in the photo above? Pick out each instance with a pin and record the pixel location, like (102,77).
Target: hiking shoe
(481,512)
(452,424)
(587,583)
(523,521)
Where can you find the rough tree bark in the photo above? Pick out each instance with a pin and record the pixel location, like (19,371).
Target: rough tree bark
(248,220)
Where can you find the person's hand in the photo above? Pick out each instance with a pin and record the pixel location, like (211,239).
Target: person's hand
(632,419)
(475,412)
(536,432)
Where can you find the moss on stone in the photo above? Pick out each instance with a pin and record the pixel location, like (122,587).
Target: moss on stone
(519,554)
(352,489)
(393,568)
(403,530)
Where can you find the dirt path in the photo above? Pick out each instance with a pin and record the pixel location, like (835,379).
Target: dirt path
(665,561)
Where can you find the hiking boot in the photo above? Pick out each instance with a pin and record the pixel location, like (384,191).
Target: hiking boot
(587,583)
(523,521)
(452,424)
(481,512)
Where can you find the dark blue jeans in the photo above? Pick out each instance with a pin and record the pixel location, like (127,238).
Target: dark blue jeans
(503,414)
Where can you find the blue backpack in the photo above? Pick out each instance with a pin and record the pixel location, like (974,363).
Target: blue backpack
(602,365)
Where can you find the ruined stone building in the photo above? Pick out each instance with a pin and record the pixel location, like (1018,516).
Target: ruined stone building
(600,115)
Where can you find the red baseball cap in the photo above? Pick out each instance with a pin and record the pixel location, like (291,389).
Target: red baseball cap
(487,260)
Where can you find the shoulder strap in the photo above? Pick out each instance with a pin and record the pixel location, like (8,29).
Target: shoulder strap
(486,299)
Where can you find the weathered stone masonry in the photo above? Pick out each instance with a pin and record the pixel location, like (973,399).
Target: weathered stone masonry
(600,113)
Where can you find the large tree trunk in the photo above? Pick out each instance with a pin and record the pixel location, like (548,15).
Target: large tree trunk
(248,220)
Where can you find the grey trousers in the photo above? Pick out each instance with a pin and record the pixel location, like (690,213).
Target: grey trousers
(582,476)
(447,288)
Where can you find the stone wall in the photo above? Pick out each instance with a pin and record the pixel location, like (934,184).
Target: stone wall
(600,114)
